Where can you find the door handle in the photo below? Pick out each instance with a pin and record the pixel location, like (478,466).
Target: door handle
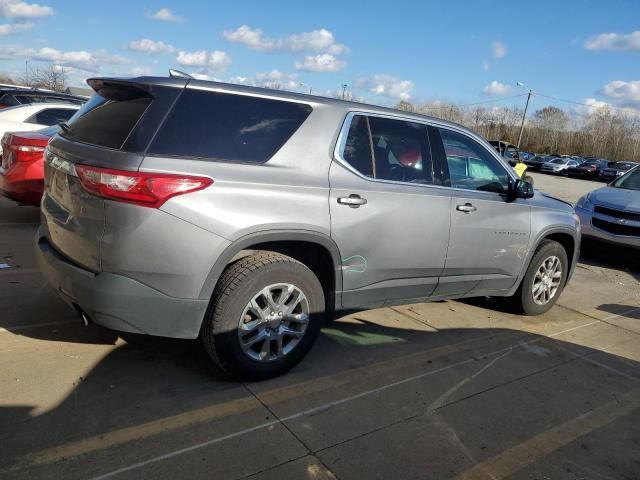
(353,200)
(466,208)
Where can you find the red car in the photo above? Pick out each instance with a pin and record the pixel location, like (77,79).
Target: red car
(22,170)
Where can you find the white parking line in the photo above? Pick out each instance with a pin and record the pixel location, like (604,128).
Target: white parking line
(339,402)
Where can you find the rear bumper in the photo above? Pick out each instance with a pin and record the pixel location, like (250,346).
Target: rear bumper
(23,182)
(118,302)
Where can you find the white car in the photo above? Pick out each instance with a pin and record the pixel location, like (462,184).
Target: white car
(25,118)
(558,165)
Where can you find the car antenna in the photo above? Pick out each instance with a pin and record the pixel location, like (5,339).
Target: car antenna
(178,73)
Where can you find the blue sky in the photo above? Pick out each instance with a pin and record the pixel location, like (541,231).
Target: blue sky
(462,51)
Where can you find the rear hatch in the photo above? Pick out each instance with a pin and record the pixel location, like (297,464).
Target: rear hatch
(111,131)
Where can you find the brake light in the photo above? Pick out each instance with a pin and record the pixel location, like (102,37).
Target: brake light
(27,153)
(147,189)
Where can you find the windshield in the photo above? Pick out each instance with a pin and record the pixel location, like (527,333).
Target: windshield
(629,181)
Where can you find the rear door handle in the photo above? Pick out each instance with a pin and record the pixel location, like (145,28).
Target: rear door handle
(466,208)
(353,200)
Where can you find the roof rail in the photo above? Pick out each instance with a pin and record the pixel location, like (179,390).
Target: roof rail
(178,73)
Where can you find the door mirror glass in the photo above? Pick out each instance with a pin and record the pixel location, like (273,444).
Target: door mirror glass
(522,189)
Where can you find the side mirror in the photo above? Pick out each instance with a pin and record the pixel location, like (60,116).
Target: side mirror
(522,189)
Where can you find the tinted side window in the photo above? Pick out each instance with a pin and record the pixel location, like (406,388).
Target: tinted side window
(471,166)
(228,127)
(401,151)
(51,116)
(107,123)
(357,149)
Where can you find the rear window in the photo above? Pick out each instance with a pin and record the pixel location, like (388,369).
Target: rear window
(51,116)
(107,123)
(8,100)
(227,127)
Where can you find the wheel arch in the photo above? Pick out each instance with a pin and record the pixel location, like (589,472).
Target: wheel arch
(565,236)
(316,250)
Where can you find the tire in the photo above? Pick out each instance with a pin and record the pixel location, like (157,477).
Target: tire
(262,278)
(524,299)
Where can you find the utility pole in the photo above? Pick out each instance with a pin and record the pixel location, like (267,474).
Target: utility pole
(344,90)
(26,72)
(523,117)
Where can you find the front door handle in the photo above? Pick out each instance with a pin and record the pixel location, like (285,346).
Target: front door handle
(466,208)
(353,200)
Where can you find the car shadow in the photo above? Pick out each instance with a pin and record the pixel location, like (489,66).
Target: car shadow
(601,254)
(150,395)
(621,310)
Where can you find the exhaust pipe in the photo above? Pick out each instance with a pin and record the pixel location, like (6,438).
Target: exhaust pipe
(85,318)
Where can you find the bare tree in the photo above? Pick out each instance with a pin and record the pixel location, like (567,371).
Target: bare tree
(6,79)
(51,76)
(603,132)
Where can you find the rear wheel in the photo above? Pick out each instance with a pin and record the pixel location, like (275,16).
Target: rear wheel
(264,317)
(544,280)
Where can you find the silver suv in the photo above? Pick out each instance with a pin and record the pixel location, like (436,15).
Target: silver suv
(245,217)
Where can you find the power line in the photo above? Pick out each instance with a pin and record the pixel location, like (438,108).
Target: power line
(493,100)
(613,107)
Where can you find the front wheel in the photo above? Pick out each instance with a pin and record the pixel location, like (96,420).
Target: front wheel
(264,316)
(544,280)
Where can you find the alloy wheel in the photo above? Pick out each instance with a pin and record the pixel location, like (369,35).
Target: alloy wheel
(273,322)
(547,280)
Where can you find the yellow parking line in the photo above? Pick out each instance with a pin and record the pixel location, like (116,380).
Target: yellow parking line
(515,458)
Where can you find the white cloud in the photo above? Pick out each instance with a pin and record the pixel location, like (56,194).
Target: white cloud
(150,46)
(141,71)
(614,41)
(496,88)
(318,41)
(591,105)
(485,66)
(216,61)
(499,49)
(11,28)
(274,79)
(80,59)
(18,9)
(623,91)
(387,86)
(165,15)
(323,62)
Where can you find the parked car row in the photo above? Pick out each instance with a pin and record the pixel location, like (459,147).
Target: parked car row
(25,130)
(12,96)
(572,165)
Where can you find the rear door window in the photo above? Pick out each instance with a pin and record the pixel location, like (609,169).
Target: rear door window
(227,127)
(357,148)
(389,149)
(401,150)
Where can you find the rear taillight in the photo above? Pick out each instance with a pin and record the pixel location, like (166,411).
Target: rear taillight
(19,153)
(27,153)
(147,189)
